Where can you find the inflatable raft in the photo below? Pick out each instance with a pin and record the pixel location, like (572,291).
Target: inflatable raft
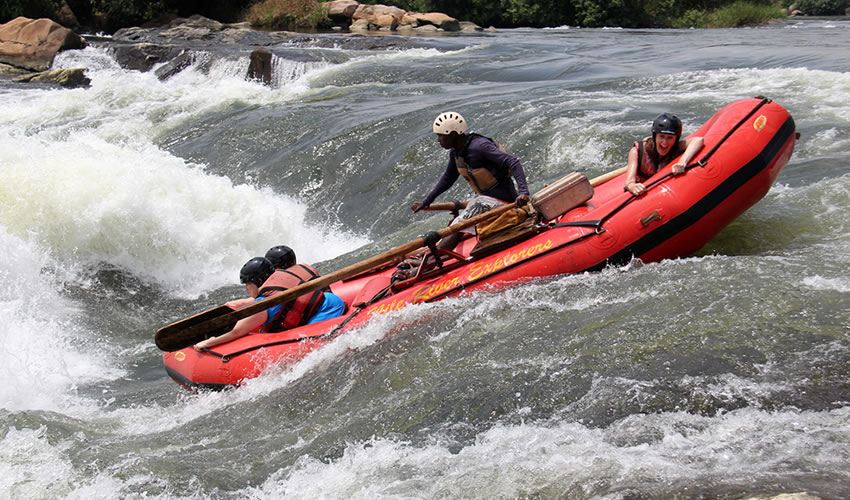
(746,144)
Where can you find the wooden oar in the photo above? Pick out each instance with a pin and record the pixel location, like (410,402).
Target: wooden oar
(602,179)
(220,320)
(448,206)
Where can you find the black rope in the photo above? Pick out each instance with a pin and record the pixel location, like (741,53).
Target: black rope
(580,223)
(764,100)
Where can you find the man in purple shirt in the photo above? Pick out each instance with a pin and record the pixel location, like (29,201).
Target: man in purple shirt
(485,166)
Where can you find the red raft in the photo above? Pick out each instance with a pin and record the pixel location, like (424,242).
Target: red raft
(747,143)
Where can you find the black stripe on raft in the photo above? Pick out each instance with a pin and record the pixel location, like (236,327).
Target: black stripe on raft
(194,386)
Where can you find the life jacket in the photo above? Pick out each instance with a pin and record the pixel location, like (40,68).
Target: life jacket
(295,312)
(648,164)
(480,177)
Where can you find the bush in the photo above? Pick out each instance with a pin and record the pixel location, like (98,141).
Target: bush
(823,7)
(737,14)
(112,15)
(11,9)
(34,9)
(691,19)
(743,14)
(288,14)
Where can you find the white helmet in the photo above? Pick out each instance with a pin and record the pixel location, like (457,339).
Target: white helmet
(449,122)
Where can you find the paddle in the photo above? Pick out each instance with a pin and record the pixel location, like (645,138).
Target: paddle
(602,179)
(220,320)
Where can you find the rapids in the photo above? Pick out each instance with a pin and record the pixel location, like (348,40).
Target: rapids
(134,203)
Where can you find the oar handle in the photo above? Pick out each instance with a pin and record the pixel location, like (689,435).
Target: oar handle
(192,330)
(602,179)
(450,206)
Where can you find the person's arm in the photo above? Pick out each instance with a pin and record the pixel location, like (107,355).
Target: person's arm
(243,327)
(522,185)
(237,303)
(634,187)
(443,184)
(498,156)
(692,146)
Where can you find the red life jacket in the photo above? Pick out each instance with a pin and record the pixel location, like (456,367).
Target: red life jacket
(649,164)
(296,312)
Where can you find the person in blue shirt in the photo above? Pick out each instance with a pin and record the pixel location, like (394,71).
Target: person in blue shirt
(262,280)
(283,259)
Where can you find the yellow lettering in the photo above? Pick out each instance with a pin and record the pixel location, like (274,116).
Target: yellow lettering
(475,271)
(483,268)
(429,292)
(385,308)
(420,295)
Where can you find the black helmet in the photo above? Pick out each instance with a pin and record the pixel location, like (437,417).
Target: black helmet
(256,271)
(281,257)
(667,123)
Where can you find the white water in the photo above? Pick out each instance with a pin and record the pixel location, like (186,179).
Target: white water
(83,178)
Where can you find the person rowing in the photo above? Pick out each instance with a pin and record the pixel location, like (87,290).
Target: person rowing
(488,169)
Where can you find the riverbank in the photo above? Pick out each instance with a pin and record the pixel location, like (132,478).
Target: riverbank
(109,16)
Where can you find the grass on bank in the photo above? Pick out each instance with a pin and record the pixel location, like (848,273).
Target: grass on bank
(730,16)
(288,15)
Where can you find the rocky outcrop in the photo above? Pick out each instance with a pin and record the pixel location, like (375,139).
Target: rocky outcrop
(260,67)
(144,56)
(70,78)
(439,20)
(7,71)
(174,46)
(354,16)
(33,43)
(198,42)
(340,11)
(200,31)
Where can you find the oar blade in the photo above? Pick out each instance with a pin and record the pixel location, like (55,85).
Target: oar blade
(190,331)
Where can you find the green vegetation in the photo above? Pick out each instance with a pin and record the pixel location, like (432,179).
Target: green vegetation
(288,14)
(599,13)
(733,15)
(823,7)
(110,15)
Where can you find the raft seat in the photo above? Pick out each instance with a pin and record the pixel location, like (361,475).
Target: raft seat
(372,288)
(507,237)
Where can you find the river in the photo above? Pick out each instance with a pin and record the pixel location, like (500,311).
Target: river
(133,203)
